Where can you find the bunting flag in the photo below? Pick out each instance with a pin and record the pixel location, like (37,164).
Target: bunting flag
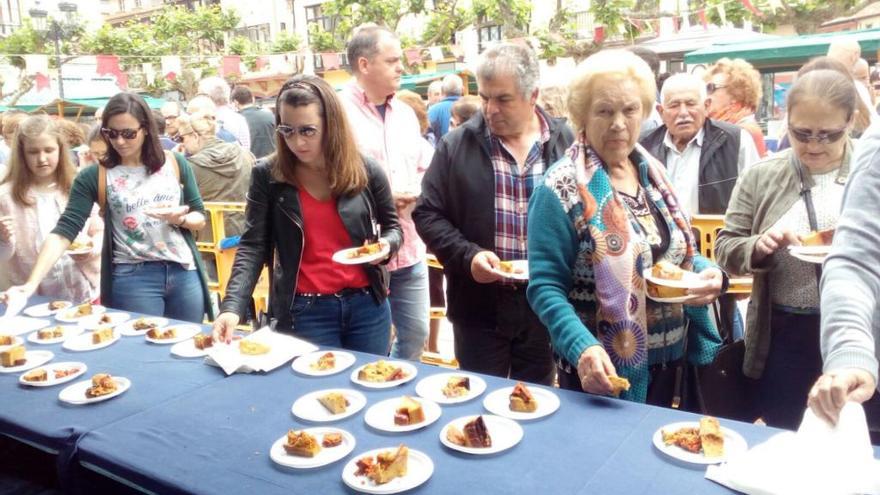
(231,65)
(330,60)
(436,53)
(149,72)
(41,81)
(703,20)
(413,56)
(751,8)
(598,34)
(109,65)
(171,67)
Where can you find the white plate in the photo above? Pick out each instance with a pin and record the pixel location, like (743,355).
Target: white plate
(504,432)
(76,393)
(188,349)
(308,408)
(69,331)
(20,325)
(498,402)
(431,388)
(303,363)
(83,342)
(15,341)
(32,360)
(810,250)
(50,371)
(672,300)
(381,415)
(409,369)
(517,264)
(184,332)
(342,258)
(419,469)
(85,250)
(689,280)
(327,455)
(733,443)
(127,328)
(42,310)
(92,322)
(67,316)
(817,259)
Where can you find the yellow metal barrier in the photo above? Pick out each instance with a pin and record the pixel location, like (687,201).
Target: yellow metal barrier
(706,229)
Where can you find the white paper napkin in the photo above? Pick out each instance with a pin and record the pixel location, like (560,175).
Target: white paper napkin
(282,348)
(15,302)
(818,459)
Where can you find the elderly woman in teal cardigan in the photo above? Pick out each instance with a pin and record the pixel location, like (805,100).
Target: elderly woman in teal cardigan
(604,214)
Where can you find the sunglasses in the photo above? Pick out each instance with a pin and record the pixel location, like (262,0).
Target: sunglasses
(823,137)
(179,138)
(306,131)
(128,134)
(712,87)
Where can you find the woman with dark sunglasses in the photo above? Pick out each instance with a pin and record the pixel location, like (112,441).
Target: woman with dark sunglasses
(776,204)
(151,204)
(315,197)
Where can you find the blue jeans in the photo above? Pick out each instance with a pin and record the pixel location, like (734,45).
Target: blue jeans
(410,310)
(158,288)
(352,321)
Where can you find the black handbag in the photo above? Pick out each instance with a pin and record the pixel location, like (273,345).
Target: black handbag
(721,387)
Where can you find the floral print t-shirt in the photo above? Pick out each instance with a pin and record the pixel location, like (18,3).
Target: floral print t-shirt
(138,237)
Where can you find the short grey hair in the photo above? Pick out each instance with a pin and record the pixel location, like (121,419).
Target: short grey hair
(217,88)
(683,81)
(436,86)
(201,104)
(365,43)
(506,59)
(452,85)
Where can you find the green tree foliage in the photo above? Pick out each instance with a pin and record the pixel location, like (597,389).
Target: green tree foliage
(514,16)
(444,21)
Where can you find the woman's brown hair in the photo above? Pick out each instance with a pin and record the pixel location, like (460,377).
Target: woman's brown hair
(743,81)
(415,102)
(152,154)
(861,112)
(19,175)
(345,166)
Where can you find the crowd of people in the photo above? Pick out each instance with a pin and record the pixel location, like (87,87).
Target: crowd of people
(592,183)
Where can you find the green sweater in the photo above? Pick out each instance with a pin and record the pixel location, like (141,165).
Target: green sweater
(84,195)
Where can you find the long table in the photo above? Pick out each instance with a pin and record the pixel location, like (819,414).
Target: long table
(185,428)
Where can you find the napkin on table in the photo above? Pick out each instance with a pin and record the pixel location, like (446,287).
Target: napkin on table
(282,348)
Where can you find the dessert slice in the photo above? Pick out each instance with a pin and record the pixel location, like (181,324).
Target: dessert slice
(62,372)
(475,434)
(58,305)
(332,440)
(50,333)
(83,310)
(324,363)
(203,341)
(818,238)
(381,371)
(618,384)
(105,318)
(37,375)
(6,339)
(160,334)
(457,386)
(410,412)
(102,335)
(365,250)
(143,324)
(302,444)
(252,348)
(390,465)
(667,271)
(102,384)
(711,438)
(687,438)
(14,356)
(521,399)
(334,402)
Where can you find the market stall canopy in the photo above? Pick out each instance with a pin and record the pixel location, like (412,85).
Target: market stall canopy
(75,107)
(696,37)
(788,53)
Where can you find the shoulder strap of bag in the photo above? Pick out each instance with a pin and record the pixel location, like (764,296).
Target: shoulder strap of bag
(102,189)
(807,195)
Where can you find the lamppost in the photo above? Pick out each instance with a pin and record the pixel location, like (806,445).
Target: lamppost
(57,29)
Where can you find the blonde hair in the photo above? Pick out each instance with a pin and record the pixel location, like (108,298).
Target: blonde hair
(413,99)
(615,65)
(202,123)
(19,175)
(743,81)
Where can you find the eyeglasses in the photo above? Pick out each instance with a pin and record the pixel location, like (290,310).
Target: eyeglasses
(171,117)
(823,137)
(112,134)
(179,138)
(712,87)
(306,131)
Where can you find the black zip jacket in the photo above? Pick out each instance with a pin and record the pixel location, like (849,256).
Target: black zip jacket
(274,235)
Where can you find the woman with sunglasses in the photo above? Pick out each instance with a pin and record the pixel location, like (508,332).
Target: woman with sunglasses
(775,204)
(315,196)
(150,203)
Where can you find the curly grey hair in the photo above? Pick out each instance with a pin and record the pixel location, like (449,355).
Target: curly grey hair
(510,59)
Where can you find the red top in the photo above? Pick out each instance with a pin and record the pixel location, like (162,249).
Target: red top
(324,235)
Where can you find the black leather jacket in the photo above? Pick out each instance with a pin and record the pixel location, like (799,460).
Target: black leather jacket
(274,235)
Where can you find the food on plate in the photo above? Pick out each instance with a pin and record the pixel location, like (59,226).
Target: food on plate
(63,372)
(365,250)
(457,386)
(57,305)
(82,310)
(105,318)
(475,434)
(302,444)
(521,399)
(334,402)
(381,371)
(507,267)
(102,334)
(252,348)
(324,363)
(37,375)
(203,341)
(6,339)
(818,238)
(665,271)
(79,246)
(14,356)
(162,333)
(331,440)
(102,384)
(143,324)
(50,333)
(385,467)
(618,384)
(410,412)
(706,438)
